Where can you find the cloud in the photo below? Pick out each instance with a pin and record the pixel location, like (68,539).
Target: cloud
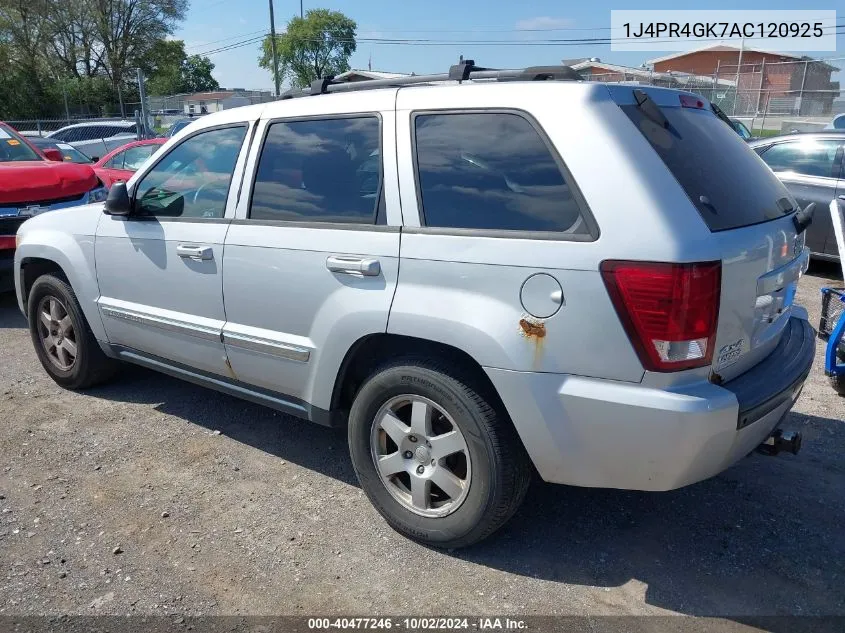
(543,23)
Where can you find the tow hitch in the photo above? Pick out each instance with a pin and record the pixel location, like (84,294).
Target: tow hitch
(778,441)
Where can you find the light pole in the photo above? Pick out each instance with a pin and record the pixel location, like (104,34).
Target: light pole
(301,15)
(273,49)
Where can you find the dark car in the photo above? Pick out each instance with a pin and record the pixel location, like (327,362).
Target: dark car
(177,126)
(69,153)
(810,165)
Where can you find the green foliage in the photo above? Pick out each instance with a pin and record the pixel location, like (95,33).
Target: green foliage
(170,71)
(85,52)
(315,46)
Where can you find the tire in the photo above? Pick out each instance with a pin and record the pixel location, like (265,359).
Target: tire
(89,366)
(838,384)
(495,468)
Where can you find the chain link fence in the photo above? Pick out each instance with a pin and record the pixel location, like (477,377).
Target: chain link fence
(769,97)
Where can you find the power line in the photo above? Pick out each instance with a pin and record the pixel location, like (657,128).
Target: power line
(224,39)
(595,41)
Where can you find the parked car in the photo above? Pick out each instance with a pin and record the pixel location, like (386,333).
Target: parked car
(119,165)
(96,138)
(838,123)
(810,165)
(69,152)
(742,130)
(33,181)
(462,317)
(177,126)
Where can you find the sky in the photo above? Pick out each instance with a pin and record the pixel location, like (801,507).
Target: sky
(215,24)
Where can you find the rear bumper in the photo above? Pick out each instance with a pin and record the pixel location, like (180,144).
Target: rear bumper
(609,434)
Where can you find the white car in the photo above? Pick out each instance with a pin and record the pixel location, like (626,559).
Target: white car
(96,138)
(473,285)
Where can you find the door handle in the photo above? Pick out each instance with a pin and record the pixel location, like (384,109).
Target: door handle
(364,266)
(196,253)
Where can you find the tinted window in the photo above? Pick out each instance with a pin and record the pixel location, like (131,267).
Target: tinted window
(807,156)
(721,175)
(14,148)
(319,171)
(193,179)
(61,135)
(491,171)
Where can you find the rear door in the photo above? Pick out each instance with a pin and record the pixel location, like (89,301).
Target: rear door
(809,167)
(312,258)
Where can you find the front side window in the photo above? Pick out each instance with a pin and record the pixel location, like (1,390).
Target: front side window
(809,156)
(319,171)
(134,157)
(193,179)
(491,171)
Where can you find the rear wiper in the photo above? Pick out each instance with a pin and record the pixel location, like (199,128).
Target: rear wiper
(721,114)
(649,108)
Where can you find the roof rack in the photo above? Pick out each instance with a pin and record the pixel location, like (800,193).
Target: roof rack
(462,71)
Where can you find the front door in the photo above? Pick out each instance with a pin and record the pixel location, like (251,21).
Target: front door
(160,269)
(809,168)
(312,259)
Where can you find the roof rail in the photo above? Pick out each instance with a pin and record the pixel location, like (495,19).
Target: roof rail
(462,71)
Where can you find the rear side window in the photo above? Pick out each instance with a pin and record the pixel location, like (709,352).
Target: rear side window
(723,177)
(808,156)
(491,171)
(325,170)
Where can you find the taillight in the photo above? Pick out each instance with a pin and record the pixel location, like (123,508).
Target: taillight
(670,311)
(7,242)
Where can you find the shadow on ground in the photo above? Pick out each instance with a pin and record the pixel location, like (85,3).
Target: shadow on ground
(767,532)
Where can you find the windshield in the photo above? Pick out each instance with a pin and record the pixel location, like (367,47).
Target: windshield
(724,178)
(13,148)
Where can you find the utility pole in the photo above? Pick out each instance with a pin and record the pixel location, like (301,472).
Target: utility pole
(273,48)
(301,15)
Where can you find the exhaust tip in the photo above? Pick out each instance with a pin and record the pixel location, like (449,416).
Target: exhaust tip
(778,441)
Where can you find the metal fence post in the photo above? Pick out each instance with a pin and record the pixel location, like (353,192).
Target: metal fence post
(762,77)
(801,92)
(765,112)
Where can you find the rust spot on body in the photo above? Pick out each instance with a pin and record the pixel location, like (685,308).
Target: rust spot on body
(533,329)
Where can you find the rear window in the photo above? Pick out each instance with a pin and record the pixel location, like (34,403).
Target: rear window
(723,177)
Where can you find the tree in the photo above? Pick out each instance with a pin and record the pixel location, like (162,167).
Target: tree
(170,70)
(196,75)
(128,29)
(315,46)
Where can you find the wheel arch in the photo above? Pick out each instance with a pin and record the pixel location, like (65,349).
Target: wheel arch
(71,259)
(370,351)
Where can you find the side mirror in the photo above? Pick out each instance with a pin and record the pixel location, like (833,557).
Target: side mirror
(118,201)
(54,155)
(94,159)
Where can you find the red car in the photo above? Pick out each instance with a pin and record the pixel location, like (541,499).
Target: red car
(119,165)
(31,182)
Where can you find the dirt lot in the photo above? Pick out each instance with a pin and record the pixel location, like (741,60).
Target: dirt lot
(158,497)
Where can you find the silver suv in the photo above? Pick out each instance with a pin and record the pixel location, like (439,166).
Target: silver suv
(480,278)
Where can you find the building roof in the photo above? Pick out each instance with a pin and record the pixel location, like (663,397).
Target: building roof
(209,96)
(719,48)
(645,73)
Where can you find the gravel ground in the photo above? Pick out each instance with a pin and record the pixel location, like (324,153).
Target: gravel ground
(153,496)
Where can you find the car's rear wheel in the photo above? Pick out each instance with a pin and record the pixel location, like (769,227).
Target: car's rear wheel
(63,341)
(435,454)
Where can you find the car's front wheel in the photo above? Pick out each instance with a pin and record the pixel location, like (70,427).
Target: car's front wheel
(63,341)
(435,454)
